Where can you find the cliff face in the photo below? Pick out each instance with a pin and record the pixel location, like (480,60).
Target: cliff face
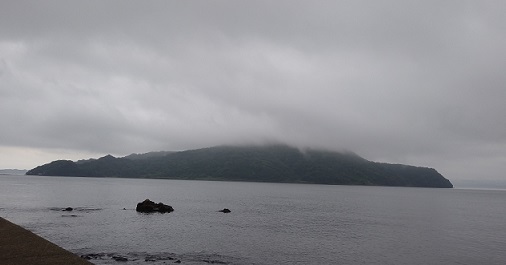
(275,163)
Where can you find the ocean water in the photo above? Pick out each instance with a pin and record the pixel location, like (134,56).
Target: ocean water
(269,223)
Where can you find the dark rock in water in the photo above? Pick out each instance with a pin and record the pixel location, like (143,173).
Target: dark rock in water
(68,209)
(158,258)
(177,261)
(92,256)
(119,258)
(225,211)
(148,206)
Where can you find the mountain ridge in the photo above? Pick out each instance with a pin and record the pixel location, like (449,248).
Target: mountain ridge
(272,163)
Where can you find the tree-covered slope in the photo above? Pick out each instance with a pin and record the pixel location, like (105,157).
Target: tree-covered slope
(276,163)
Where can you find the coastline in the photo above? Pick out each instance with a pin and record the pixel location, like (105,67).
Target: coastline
(19,246)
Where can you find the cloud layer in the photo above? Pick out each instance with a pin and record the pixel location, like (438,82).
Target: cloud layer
(396,81)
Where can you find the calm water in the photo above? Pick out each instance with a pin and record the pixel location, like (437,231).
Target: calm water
(269,223)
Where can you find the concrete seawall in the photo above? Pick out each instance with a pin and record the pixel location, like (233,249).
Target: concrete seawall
(19,246)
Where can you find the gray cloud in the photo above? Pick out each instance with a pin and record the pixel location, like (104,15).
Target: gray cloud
(396,81)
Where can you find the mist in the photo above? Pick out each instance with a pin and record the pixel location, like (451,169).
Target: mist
(398,82)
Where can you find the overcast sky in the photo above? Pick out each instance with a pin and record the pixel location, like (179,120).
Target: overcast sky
(414,82)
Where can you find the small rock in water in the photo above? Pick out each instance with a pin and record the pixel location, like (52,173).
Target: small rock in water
(68,209)
(119,258)
(147,206)
(177,261)
(225,211)
(92,256)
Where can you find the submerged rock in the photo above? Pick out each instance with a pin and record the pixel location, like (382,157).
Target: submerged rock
(225,210)
(148,206)
(158,258)
(93,256)
(119,258)
(68,209)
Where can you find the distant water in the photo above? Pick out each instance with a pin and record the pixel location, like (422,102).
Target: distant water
(269,223)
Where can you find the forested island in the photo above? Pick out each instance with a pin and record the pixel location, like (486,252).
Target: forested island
(274,163)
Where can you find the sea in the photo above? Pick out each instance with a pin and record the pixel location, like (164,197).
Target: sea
(269,223)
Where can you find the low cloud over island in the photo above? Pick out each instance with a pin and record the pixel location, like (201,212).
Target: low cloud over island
(394,81)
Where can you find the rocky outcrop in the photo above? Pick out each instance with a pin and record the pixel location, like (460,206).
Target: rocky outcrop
(148,206)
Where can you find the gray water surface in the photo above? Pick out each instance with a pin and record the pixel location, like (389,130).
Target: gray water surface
(269,223)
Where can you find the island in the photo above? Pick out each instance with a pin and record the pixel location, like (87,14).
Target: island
(268,163)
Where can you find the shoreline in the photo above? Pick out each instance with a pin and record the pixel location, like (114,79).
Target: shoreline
(19,246)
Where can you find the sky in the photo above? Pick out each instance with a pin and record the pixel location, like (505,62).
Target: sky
(412,82)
